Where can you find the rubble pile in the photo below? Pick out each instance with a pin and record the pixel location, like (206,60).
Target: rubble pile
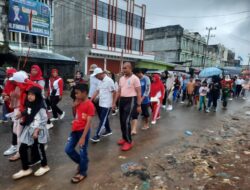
(217,157)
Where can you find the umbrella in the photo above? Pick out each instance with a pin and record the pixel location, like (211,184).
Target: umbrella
(209,72)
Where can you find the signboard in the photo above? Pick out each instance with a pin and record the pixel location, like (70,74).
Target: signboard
(20,16)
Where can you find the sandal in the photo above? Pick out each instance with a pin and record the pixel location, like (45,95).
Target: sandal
(144,128)
(14,157)
(133,133)
(78,178)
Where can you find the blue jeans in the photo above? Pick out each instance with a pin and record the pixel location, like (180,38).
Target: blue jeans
(104,121)
(5,111)
(82,158)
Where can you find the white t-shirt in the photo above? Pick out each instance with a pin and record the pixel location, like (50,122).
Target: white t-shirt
(93,84)
(239,81)
(106,88)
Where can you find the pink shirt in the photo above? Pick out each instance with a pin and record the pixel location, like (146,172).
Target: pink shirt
(128,85)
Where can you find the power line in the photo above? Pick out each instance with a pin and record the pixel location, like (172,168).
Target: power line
(200,17)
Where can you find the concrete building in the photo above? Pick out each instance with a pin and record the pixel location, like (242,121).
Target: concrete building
(219,55)
(173,44)
(102,32)
(27,31)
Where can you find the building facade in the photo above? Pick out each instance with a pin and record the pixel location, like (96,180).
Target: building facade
(27,31)
(101,32)
(173,44)
(3,21)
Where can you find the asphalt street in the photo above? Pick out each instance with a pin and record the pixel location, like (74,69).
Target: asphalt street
(104,156)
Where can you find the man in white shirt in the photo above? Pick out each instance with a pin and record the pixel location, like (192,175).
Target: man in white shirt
(106,92)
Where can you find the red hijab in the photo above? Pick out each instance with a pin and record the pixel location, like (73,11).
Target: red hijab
(39,75)
(157,86)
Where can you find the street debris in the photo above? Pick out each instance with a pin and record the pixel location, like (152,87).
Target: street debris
(216,157)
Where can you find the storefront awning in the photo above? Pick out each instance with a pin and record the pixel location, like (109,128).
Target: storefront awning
(154,65)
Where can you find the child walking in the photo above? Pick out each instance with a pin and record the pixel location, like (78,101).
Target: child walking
(203,93)
(83,110)
(34,130)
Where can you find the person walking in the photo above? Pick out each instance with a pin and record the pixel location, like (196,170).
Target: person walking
(106,92)
(93,84)
(36,76)
(84,111)
(129,93)
(145,101)
(190,91)
(156,94)
(77,80)
(34,129)
(214,92)
(170,91)
(55,93)
(203,93)
(7,91)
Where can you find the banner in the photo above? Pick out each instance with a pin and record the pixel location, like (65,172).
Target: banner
(21,19)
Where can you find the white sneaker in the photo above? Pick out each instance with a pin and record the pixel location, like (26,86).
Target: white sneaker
(22,173)
(63,115)
(50,110)
(244,98)
(207,111)
(41,171)
(230,99)
(163,107)
(49,126)
(170,108)
(11,150)
(53,119)
(153,122)
(182,102)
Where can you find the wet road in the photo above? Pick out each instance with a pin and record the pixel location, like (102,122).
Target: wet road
(104,156)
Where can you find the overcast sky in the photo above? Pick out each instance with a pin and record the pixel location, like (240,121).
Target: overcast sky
(231,17)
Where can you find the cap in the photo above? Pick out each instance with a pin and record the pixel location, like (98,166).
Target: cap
(93,67)
(97,71)
(19,76)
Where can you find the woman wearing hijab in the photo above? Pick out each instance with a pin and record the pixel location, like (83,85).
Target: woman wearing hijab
(55,93)
(157,94)
(36,76)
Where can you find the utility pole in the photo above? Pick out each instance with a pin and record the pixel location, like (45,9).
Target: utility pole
(208,37)
(249,62)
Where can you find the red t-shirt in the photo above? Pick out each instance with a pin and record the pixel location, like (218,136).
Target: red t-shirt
(83,110)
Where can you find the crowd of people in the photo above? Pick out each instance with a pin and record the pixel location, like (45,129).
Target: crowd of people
(133,93)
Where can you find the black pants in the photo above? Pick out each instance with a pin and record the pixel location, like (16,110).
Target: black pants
(238,90)
(164,101)
(23,150)
(35,155)
(215,100)
(54,100)
(97,108)
(127,108)
(48,103)
(190,99)
(184,94)
(14,137)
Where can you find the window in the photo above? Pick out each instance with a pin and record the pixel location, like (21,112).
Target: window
(29,38)
(102,9)
(101,38)
(135,45)
(122,42)
(137,21)
(118,41)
